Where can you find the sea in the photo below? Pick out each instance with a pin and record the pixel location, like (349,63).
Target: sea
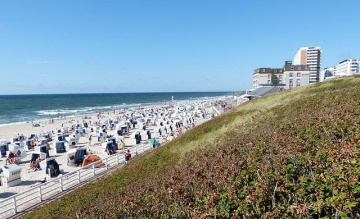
(28,108)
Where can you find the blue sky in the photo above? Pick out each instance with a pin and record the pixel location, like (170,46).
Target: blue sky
(88,46)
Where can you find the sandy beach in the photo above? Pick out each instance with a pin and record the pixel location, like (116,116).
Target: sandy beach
(30,177)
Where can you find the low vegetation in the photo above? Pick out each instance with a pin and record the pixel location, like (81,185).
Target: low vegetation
(291,154)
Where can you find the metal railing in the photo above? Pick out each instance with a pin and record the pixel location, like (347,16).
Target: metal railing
(43,191)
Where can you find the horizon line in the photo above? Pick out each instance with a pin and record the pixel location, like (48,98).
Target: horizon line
(124,93)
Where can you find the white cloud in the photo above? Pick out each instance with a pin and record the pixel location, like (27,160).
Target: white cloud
(42,62)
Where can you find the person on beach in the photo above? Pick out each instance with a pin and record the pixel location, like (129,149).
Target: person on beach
(122,144)
(127,156)
(171,137)
(153,142)
(90,139)
(22,138)
(32,144)
(10,158)
(35,165)
(110,150)
(48,146)
(54,170)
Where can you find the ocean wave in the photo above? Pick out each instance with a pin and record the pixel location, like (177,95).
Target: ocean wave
(11,123)
(84,110)
(94,108)
(55,112)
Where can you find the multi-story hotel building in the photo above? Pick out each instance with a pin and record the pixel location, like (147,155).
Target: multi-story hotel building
(347,67)
(310,56)
(267,77)
(287,77)
(295,75)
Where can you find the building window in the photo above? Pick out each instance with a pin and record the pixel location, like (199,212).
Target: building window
(299,67)
(291,74)
(269,75)
(280,77)
(298,74)
(268,81)
(290,81)
(263,70)
(292,68)
(298,81)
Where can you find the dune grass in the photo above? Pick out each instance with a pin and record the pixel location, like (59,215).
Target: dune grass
(290,154)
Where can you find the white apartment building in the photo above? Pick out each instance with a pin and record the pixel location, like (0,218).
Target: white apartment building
(311,56)
(347,67)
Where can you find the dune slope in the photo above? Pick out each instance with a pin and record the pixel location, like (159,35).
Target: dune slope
(293,153)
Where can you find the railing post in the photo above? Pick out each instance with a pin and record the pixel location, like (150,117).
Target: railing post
(61,185)
(93,166)
(14,205)
(107,163)
(117,158)
(79,179)
(40,193)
